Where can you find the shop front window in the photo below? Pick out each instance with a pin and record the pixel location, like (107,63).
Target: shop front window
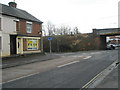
(32,44)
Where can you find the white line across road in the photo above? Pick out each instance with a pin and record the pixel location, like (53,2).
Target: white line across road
(67,64)
(87,57)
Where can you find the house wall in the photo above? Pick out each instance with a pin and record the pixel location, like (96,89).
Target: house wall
(13,26)
(8,27)
(36,28)
(1,25)
(22,28)
(119,14)
(35,35)
(0,36)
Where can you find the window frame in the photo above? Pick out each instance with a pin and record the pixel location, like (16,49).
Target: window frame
(29,27)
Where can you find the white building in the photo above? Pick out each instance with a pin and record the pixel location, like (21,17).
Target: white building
(8,27)
(119,14)
(14,38)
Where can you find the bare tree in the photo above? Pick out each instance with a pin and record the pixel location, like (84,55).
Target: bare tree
(62,30)
(65,30)
(76,31)
(50,28)
(57,31)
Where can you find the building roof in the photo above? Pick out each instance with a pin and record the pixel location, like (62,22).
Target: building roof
(18,13)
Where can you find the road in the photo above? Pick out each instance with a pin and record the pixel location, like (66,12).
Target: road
(72,70)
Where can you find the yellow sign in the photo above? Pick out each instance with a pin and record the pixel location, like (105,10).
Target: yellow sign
(32,44)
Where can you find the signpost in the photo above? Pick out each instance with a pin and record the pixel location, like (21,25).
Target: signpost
(50,38)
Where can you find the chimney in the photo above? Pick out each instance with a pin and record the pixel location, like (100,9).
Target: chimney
(12,4)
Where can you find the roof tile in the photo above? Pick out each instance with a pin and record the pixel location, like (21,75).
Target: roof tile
(18,13)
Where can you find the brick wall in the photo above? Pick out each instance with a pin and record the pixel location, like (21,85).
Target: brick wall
(17,26)
(100,42)
(22,27)
(36,28)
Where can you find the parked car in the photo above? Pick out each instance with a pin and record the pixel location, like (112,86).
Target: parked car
(111,46)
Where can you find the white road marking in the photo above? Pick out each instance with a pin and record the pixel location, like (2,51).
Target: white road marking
(39,72)
(67,64)
(35,73)
(76,56)
(96,52)
(35,59)
(87,57)
(20,78)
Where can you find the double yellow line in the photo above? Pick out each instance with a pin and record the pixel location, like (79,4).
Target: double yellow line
(92,80)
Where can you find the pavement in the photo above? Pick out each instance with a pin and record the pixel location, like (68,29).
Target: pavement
(21,60)
(110,81)
(107,79)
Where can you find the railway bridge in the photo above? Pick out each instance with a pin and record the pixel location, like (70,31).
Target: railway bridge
(101,34)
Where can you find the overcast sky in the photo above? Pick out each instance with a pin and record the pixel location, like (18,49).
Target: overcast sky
(85,14)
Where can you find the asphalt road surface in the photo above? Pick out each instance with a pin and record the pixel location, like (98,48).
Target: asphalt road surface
(72,70)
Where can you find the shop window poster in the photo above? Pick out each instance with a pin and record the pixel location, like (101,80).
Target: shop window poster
(32,44)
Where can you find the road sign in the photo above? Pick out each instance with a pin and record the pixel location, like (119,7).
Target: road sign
(49,38)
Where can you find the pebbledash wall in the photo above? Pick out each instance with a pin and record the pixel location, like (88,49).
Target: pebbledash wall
(0,35)
(8,26)
(119,14)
